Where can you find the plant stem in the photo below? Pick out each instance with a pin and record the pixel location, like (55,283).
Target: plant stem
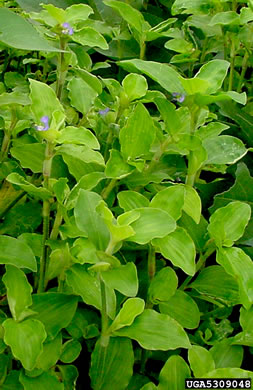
(46,216)
(203,54)
(57,224)
(7,136)
(142,50)
(107,190)
(61,69)
(104,318)
(191,175)
(232,64)
(151,262)
(244,68)
(200,263)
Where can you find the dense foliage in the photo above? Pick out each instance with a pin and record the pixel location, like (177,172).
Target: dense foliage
(126,193)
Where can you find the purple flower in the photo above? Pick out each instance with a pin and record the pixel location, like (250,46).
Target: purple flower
(45,120)
(104,112)
(67,29)
(178,97)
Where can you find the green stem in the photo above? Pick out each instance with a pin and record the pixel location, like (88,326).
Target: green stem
(232,64)
(244,68)
(151,262)
(104,318)
(199,265)
(61,69)
(158,154)
(7,136)
(203,53)
(57,224)
(107,190)
(191,174)
(142,50)
(46,217)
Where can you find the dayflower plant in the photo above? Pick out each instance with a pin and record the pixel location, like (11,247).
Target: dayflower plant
(45,120)
(67,29)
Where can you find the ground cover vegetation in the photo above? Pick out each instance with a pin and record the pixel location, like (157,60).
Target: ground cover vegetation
(126,243)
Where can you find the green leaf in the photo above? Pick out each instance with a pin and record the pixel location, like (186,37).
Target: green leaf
(192,203)
(135,86)
(229,373)
(36,192)
(55,311)
(151,223)
(12,381)
(138,134)
(117,371)
(241,190)
(246,336)
(214,282)
(173,374)
(87,36)
(89,221)
(18,292)
(149,386)
(155,331)
(77,12)
(91,80)
(171,200)
(213,72)
(70,351)
(87,286)
(228,223)
(116,167)
(198,232)
(81,95)
(15,97)
(129,200)
(179,45)
(179,248)
(47,380)
(79,136)
(44,100)
(171,117)
(195,85)
(163,74)
(24,347)
(51,353)
(123,279)
(225,18)
(179,306)
(201,360)
(130,310)
(131,15)
(30,156)
(224,149)
(237,264)
(17,253)
(23,36)
(226,355)
(80,152)
(163,286)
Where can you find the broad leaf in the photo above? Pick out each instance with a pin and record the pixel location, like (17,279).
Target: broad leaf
(151,223)
(18,292)
(116,167)
(87,286)
(51,353)
(24,347)
(135,86)
(17,253)
(130,310)
(138,134)
(170,199)
(156,331)
(88,36)
(173,374)
(163,286)
(81,94)
(36,192)
(23,36)
(117,371)
(226,355)
(240,266)
(229,373)
(55,311)
(129,200)
(78,135)
(47,380)
(179,306)
(201,360)
(89,221)
(228,223)
(224,149)
(30,156)
(192,203)
(214,72)
(70,351)
(179,248)
(123,279)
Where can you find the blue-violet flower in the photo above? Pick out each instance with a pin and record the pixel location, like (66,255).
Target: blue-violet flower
(178,97)
(104,112)
(67,29)
(45,120)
